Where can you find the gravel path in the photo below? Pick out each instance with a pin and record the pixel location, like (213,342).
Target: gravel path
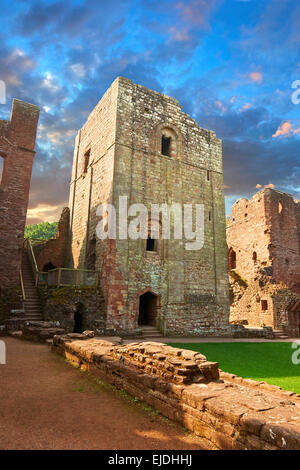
(47,404)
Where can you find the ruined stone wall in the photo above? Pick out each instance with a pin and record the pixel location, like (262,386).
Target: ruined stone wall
(230,412)
(17,142)
(60,305)
(55,250)
(191,286)
(92,187)
(282,218)
(263,232)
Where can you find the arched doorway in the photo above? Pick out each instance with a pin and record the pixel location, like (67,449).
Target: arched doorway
(148,308)
(79,318)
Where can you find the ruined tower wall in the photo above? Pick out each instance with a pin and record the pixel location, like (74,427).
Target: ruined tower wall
(281,216)
(17,141)
(93,187)
(248,232)
(124,134)
(191,284)
(267,225)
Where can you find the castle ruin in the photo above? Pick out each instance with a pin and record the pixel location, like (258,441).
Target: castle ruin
(263,239)
(139,144)
(17,142)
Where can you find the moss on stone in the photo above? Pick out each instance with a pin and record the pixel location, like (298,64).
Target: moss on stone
(237,278)
(8,300)
(64,295)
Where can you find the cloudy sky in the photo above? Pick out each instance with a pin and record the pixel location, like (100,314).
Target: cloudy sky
(230,63)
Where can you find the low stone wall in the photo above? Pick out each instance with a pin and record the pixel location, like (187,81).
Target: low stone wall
(228,411)
(39,331)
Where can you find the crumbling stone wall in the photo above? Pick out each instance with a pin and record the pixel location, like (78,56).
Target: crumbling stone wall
(118,153)
(55,250)
(17,142)
(60,305)
(263,243)
(230,412)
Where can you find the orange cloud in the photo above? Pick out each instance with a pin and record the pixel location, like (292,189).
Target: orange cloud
(256,77)
(245,107)
(285,129)
(296,131)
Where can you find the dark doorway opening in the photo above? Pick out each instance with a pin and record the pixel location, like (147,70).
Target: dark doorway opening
(78,318)
(47,267)
(148,309)
(150,244)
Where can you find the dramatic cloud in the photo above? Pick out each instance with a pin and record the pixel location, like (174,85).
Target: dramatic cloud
(230,64)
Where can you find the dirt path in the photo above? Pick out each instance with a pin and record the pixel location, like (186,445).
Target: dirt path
(47,404)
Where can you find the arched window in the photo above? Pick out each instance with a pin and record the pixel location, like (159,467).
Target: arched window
(168,142)
(231,259)
(254,257)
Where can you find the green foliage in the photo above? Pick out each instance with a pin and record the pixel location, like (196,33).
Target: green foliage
(44,230)
(270,362)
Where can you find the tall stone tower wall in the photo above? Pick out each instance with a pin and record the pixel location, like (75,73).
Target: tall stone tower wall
(125,133)
(17,142)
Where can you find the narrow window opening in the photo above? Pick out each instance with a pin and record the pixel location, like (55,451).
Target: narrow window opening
(150,244)
(280,207)
(231,259)
(264,305)
(166,145)
(86,161)
(209,216)
(254,257)
(208,175)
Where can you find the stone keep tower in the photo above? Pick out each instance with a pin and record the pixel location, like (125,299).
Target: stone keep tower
(17,142)
(138,143)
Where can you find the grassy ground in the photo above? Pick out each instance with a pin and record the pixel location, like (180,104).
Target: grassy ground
(271,362)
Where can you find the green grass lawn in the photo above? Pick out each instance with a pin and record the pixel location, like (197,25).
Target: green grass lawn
(271,362)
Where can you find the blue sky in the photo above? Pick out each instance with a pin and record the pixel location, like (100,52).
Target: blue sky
(231,65)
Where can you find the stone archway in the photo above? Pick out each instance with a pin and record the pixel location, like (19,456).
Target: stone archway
(148,309)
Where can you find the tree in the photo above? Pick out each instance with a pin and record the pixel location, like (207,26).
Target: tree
(44,230)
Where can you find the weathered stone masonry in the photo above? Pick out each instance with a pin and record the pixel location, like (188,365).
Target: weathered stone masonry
(230,412)
(263,239)
(17,142)
(118,152)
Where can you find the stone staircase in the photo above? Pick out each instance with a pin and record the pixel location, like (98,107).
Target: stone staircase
(33,310)
(151,333)
(279,334)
